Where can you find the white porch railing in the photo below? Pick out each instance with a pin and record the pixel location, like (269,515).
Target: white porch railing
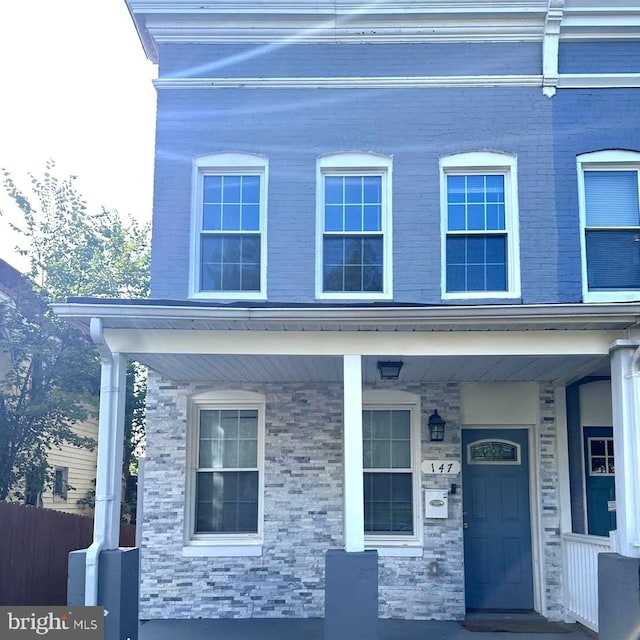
(581,576)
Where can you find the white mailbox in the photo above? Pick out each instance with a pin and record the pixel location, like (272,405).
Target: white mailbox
(436,503)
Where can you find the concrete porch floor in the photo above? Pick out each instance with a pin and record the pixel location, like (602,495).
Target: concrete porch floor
(312,629)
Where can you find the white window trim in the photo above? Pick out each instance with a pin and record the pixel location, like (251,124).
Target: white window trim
(480,162)
(357,163)
(388,545)
(226,164)
(220,544)
(609,160)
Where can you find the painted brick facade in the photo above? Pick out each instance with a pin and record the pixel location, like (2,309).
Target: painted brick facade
(292,128)
(303,513)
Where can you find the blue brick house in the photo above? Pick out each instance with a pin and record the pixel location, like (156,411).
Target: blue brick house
(370,219)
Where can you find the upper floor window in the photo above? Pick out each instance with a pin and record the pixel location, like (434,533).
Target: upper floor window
(354,219)
(610,214)
(480,254)
(229,220)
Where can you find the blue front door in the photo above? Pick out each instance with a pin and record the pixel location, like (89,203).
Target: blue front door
(599,480)
(497,521)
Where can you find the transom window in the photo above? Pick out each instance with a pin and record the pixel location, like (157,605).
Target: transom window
(354,236)
(611,221)
(480,253)
(230,205)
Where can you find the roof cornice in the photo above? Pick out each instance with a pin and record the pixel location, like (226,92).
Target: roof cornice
(309,21)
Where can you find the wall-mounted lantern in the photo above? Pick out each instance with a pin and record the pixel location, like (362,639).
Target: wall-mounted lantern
(436,427)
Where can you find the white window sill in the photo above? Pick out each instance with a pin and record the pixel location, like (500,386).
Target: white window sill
(396,551)
(353,295)
(480,295)
(217,551)
(228,295)
(611,296)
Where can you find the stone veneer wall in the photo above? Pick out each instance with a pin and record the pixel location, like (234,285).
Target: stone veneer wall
(549,505)
(303,513)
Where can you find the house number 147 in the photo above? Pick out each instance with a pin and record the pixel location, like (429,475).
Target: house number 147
(440,467)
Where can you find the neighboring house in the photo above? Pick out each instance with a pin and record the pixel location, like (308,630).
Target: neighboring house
(73,469)
(450,186)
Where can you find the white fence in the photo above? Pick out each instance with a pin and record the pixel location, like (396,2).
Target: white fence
(581,576)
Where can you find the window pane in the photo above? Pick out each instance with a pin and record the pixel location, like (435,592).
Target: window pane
(401,454)
(372,217)
(227,502)
(613,260)
(231,249)
(495,188)
(373,189)
(212,193)
(456,191)
(352,263)
(388,503)
(334,218)
(211,277)
(211,249)
(211,217)
(381,454)
(611,198)
(228,439)
(353,190)
(231,189)
(495,217)
(477,263)
(597,447)
(231,277)
(231,217)
(456,218)
(475,189)
(401,424)
(251,189)
(353,217)
(250,217)
(333,190)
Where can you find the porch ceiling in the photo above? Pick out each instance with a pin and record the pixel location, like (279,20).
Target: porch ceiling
(268,368)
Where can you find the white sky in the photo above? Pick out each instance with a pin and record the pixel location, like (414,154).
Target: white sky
(76,87)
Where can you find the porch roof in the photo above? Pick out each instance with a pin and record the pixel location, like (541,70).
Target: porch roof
(214,342)
(234,316)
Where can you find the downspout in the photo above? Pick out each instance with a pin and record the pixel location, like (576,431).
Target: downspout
(104,480)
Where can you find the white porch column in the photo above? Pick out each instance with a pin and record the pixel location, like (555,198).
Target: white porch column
(352,455)
(625,392)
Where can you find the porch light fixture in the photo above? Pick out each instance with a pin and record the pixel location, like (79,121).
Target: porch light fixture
(389,369)
(436,427)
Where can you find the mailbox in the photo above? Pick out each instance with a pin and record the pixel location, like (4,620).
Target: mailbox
(436,503)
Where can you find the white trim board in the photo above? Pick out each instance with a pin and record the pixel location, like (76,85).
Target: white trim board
(564,81)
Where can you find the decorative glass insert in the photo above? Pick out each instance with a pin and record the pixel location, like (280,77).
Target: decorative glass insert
(388,477)
(601,457)
(612,229)
(352,241)
(230,234)
(227,473)
(493,452)
(476,249)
